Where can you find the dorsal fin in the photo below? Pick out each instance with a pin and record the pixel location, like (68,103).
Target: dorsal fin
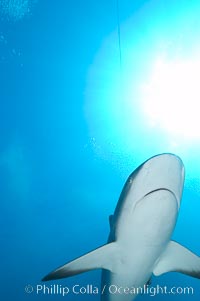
(111,220)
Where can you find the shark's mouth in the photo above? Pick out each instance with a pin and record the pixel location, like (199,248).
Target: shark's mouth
(160,189)
(151,192)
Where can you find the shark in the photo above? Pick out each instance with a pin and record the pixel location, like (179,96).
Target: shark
(139,243)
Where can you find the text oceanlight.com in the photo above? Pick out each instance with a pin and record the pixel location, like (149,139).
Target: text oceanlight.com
(89,289)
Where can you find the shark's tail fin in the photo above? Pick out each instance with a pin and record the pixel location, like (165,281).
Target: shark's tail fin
(97,259)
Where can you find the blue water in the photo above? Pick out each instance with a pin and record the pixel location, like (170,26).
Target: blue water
(68,137)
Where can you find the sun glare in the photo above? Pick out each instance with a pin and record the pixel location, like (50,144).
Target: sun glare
(171,97)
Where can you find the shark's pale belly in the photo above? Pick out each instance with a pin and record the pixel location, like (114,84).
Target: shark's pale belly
(142,236)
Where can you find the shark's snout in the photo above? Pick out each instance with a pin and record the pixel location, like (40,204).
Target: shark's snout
(165,171)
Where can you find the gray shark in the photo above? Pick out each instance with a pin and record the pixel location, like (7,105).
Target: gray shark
(141,227)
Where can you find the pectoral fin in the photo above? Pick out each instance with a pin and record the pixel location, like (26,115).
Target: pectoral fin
(101,258)
(177,258)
